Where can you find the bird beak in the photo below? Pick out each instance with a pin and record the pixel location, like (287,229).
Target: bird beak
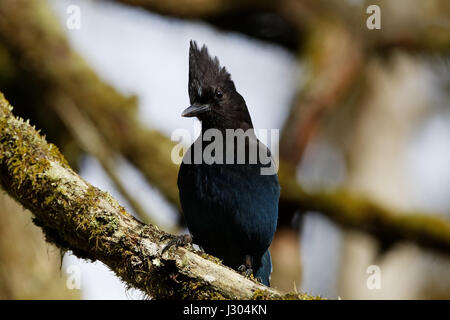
(195,110)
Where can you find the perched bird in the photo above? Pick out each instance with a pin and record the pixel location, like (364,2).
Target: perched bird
(231,209)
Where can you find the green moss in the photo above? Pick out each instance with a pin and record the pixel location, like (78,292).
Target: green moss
(260,295)
(209,257)
(300,296)
(199,290)
(18,156)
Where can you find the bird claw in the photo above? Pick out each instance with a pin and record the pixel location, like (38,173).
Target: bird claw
(165,237)
(245,271)
(246,268)
(177,241)
(174,277)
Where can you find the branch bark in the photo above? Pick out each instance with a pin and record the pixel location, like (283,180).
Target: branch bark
(75,215)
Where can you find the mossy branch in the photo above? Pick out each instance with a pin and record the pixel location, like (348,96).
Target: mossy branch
(77,216)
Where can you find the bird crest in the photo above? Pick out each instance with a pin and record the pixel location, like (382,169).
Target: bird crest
(205,71)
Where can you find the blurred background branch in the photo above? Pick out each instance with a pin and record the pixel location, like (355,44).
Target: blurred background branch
(284,22)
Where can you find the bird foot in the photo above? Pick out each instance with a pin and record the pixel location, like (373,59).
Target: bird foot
(245,271)
(177,241)
(174,277)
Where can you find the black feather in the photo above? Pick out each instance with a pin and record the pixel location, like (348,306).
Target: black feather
(230,209)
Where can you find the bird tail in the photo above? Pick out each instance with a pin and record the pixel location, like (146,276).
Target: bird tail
(265,269)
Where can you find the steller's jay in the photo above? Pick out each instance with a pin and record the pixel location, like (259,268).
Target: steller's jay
(230,206)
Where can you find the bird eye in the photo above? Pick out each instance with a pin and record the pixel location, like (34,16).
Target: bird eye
(219,94)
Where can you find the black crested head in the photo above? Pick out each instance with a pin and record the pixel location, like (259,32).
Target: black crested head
(212,94)
(205,71)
